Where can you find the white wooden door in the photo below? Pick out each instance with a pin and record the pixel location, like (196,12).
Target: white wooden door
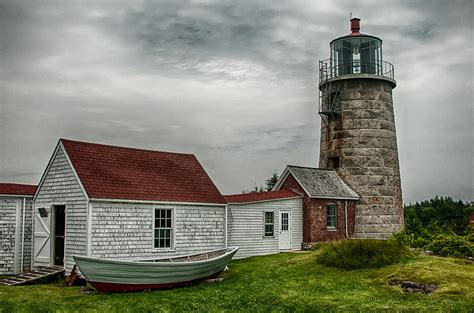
(285,230)
(42,233)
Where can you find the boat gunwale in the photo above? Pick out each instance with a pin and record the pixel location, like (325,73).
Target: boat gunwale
(228,251)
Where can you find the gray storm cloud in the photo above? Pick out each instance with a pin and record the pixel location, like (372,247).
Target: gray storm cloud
(234,83)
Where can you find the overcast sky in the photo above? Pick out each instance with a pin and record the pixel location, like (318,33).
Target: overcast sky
(232,82)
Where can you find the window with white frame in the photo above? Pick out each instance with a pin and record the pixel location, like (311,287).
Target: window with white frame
(269,224)
(163,228)
(332,216)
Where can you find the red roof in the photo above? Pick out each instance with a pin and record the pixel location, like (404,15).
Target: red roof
(261,196)
(17,189)
(111,172)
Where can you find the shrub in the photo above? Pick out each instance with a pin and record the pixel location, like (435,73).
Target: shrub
(452,245)
(410,239)
(357,254)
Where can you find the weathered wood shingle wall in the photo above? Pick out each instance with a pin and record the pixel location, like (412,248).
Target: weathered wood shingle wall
(245,226)
(60,186)
(11,233)
(8,211)
(125,230)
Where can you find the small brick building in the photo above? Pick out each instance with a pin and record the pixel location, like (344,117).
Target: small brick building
(328,202)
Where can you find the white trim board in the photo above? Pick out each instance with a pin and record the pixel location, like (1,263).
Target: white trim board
(268,200)
(16,196)
(287,172)
(74,171)
(48,167)
(157,202)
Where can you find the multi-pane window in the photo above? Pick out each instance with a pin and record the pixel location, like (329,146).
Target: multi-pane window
(269,222)
(163,228)
(284,221)
(332,216)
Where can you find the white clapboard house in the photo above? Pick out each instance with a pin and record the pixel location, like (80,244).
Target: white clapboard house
(265,222)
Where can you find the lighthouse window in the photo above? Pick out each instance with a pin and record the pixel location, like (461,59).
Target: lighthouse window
(356,54)
(333,162)
(332,216)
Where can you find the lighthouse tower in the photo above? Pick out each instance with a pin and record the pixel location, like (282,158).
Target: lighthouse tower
(358,136)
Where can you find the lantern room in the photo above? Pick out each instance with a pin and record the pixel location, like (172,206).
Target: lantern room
(355,53)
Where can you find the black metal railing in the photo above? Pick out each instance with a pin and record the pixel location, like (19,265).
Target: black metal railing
(327,70)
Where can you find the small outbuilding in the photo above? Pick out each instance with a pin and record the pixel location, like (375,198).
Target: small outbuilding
(15,227)
(116,202)
(265,222)
(328,202)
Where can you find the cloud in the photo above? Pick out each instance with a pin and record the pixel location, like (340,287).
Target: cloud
(234,83)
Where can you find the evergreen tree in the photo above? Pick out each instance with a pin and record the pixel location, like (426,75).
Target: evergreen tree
(272,181)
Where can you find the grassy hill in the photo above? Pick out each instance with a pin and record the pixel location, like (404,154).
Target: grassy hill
(283,282)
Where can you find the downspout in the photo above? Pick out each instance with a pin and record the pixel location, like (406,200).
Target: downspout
(345,219)
(225,227)
(23,236)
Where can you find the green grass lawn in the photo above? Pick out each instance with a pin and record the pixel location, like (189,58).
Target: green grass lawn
(283,282)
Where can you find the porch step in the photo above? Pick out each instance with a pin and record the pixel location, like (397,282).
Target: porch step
(36,274)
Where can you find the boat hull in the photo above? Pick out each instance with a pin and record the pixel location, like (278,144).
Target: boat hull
(110,275)
(118,287)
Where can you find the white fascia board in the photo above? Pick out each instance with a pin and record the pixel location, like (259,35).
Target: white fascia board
(89,229)
(74,171)
(268,200)
(156,202)
(281,179)
(299,183)
(16,196)
(45,173)
(287,172)
(284,176)
(334,198)
(348,187)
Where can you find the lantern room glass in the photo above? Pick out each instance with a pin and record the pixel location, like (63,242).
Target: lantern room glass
(356,54)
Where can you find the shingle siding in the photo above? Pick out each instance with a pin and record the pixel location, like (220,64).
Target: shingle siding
(8,208)
(11,232)
(245,226)
(60,186)
(125,230)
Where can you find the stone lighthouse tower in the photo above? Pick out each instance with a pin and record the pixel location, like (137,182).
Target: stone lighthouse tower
(358,136)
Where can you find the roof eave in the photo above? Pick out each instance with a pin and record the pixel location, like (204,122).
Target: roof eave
(354,36)
(334,197)
(267,200)
(156,202)
(15,195)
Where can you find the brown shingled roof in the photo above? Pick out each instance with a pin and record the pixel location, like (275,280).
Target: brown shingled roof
(17,189)
(319,183)
(111,172)
(261,196)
